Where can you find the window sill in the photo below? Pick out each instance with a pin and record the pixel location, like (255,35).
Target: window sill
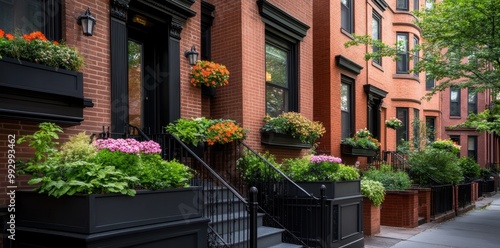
(406,76)
(378,66)
(346,33)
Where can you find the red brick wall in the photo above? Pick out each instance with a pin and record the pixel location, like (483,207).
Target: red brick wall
(424,203)
(400,209)
(371,218)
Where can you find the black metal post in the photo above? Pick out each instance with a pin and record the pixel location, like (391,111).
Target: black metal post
(323,215)
(254,205)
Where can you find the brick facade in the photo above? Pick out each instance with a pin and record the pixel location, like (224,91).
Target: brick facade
(400,208)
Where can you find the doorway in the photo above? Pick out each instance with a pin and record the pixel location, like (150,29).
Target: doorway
(147,72)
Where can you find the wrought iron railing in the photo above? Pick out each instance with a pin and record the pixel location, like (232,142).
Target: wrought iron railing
(464,196)
(231,222)
(288,206)
(397,159)
(441,199)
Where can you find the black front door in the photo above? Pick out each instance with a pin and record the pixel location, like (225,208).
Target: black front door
(147,77)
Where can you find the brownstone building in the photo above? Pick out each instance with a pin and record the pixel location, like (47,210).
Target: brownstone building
(367,92)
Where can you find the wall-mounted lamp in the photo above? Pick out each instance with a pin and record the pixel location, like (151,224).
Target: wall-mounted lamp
(192,55)
(87,21)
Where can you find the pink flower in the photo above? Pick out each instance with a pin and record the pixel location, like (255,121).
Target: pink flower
(128,146)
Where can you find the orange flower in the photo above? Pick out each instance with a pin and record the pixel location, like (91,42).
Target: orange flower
(1,33)
(9,36)
(209,73)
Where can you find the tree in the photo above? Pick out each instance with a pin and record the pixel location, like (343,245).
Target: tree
(460,48)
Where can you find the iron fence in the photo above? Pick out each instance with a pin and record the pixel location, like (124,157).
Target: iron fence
(441,199)
(464,196)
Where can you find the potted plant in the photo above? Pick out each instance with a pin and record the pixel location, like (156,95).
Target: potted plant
(105,185)
(393,123)
(373,193)
(291,130)
(42,77)
(362,144)
(312,171)
(208,75)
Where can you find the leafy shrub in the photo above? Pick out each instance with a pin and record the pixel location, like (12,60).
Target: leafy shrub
(470,168)
(78,148)
(190,131)
(435,166)
(390,179)
(446,145)
(254,169)
(373,190)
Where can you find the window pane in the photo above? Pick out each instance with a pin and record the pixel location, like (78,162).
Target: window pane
(276,100)
(276,66)
(277,83)
(430,126)
(454,95)
(344,97)
(346,107)
(402,46)
(416,4)
(135,93)
(429,82)
(402,4)
(415,55)
(402,133)
(27,16)
(346,15)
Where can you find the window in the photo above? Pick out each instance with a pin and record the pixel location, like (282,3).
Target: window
(455,139)
(401,4)
(402,133)
(429,82)
(416,128)
(402,60)
(347,15)
(281,77)
(454,102)
(472,147)
(26,16)
(429,4)
(415,55)
(472,101)
(376,33)
(416,4)
(430,128)
(346,106)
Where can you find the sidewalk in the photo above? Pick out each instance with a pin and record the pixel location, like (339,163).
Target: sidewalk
(479,227)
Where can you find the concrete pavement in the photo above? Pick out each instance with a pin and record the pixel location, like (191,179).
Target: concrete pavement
(477,228)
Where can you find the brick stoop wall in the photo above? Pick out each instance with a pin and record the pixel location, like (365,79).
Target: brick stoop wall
(371,217)
(424,204)
(400,208)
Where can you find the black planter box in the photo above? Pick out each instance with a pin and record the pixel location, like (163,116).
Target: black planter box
(185,234)
(282,140)
(333,189)
(361,152)
(343,219)
(38,92)
(89,214)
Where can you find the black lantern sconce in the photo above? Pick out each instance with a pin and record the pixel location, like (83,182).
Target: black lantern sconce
(192,55)
(87,21)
